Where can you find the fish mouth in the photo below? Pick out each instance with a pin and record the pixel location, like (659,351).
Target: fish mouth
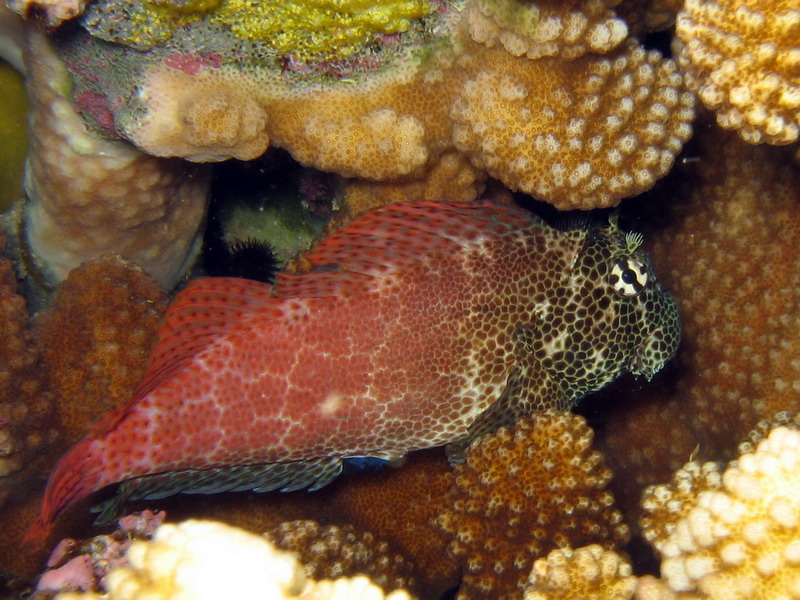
(662,343)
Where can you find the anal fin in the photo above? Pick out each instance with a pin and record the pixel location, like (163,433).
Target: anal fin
(286,477)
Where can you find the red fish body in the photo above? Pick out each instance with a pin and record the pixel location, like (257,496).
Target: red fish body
(415,319)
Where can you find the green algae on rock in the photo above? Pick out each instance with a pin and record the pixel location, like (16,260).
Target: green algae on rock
(14,133)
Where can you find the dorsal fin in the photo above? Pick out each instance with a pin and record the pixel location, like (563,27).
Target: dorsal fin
(397,236)
(207,309)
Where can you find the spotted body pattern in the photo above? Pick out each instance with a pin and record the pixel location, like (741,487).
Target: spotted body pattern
(420,324)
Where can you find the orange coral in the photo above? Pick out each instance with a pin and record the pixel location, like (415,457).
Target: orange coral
(402,505)
(742,58)
(453,178)
(578,134)
(522,493)
(392,113)
(95,337)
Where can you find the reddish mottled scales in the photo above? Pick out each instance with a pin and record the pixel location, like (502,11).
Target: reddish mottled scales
(405,330)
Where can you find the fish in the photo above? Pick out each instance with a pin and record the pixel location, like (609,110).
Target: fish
(417,325)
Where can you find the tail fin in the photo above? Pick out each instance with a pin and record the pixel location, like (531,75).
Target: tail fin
(74,477)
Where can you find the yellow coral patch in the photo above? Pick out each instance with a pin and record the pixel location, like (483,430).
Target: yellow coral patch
(319,29)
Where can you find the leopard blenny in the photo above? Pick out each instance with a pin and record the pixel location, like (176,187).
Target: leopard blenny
(419,325)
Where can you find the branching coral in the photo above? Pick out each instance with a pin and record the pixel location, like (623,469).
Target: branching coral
(522,493)
(606,127)
(388,112)
(95,338)
(547,28)
(590,573)
(207,560)
(743,59)
(144,208)
(741,541)
(664,505)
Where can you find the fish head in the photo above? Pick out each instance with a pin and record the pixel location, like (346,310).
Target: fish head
(612,315)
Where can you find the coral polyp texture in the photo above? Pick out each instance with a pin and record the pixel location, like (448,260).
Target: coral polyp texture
(89,196)
(25,402)
(608,127)
(743,60)
(725,236)
(547,28)
(332,551)
(218,80)
(307,30)
(94,339)
(741,541)
(206,560)
(590,573)
(522,493)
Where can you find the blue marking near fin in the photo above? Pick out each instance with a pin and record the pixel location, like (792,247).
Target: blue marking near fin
(370,464)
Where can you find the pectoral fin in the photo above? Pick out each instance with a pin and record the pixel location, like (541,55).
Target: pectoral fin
(529,387)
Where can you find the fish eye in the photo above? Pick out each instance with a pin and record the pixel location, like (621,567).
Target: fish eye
(628,276)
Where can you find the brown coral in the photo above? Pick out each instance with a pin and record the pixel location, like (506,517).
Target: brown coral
(590,573)
(743,59)
(726,247)
(95,339)
(25,403)
(332,551)
(522,493)
(578,134)
(547,28)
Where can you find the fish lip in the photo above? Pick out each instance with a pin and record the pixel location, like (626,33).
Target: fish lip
(639,369)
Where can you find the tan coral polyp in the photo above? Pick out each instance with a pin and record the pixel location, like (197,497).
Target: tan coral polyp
(566,29)
(204,118)
(579,134)
(743,60)
(88,196)
(385,126)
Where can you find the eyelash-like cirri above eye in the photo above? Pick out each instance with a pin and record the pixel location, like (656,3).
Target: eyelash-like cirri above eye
(628,276)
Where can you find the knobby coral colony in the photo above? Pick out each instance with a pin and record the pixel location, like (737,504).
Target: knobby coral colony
(553,99)
(382,90)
